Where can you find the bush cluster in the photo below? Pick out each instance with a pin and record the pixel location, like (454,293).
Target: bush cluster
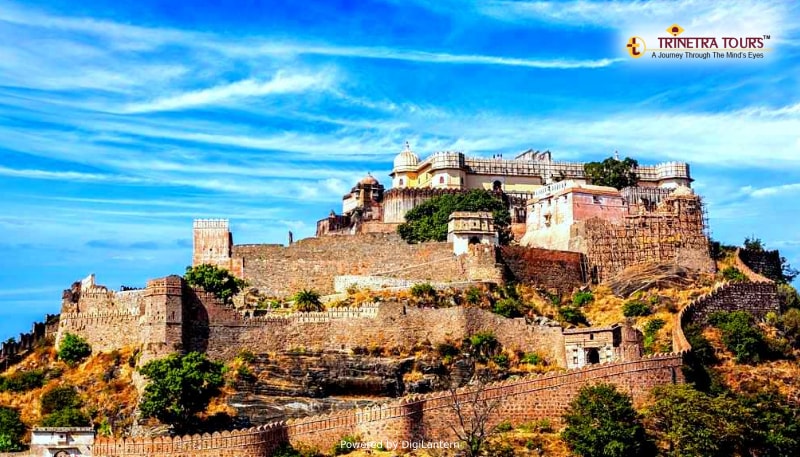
(22,381)
(73,349)
(636,308)
(740,335)
(61,408)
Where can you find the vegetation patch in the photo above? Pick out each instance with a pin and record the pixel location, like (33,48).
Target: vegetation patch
(216,280)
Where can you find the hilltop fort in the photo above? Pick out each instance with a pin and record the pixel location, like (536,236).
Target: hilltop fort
(568,234)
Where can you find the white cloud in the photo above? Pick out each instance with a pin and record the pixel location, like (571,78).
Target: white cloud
(771,191)
(281,83)
(68,176)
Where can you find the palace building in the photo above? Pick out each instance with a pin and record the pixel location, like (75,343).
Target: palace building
(369,208)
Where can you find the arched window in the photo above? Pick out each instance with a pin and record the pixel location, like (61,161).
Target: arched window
(474,240)
(441,179)
(497,185)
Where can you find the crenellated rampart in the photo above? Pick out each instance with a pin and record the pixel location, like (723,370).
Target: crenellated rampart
(12,351)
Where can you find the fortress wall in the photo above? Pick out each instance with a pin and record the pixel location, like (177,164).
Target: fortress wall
(103,331)
(412,418)
(10,352)
(767,264)
(313,262)
(562,271)
(223,332)
(755,298)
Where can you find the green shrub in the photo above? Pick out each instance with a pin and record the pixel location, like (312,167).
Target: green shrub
(22,381)
(532,358)
(740,335)
(473,295)
(650,331)
(501,360)
(483,345)
(12,430)
(447,350)
(504,426)
(572,315)
(733,274)
(423,290)
(60,398)
(214,279)
(345,445)
(73,349)
(70,417)
(246,356)
(790,324)
(508,307)
(635,308)
(788,296)
(582,297)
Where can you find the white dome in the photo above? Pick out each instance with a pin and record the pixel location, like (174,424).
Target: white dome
(406,159)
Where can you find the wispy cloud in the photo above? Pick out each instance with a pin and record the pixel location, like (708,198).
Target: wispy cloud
(281,83)
(771,191)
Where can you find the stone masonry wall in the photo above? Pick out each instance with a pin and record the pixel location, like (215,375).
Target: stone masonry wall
(562,271)
(11,351)
(314,262)
(223,332)
(765,263)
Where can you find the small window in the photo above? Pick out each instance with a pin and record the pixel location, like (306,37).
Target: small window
(401,181)
(441,179)
(596,200)
(591,336)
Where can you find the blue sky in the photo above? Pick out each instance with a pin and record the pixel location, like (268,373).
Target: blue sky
(123,121)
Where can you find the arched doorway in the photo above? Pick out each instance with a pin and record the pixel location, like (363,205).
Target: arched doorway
(474,240)
(497,186)
(592,356)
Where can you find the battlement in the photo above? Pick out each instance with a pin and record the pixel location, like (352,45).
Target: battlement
(170,285)
(211,224)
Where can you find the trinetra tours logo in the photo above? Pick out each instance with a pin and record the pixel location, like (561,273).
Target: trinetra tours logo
(678,47)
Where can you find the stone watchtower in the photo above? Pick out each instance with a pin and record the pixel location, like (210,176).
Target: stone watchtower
(162,329)
(212,243)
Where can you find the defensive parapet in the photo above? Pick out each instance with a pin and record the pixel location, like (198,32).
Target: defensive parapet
(11,351)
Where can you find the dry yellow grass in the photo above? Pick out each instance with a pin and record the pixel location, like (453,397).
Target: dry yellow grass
(105,395)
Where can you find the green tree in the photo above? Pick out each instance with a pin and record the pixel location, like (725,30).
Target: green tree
(179,387)
(612,172)
(601,421)
(60,398)
(428,220)
(307,301)
(216,280)
(73,349)
(70,417)
(688,422)
(774,424)
(12,429)
(753,244)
